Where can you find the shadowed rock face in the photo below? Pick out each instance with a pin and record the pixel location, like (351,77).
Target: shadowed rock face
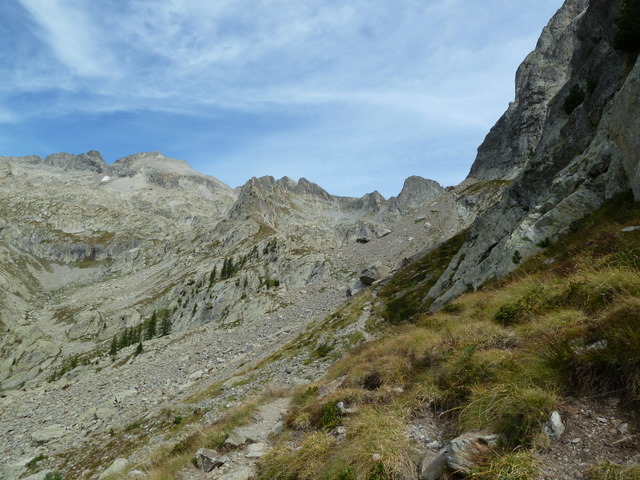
(561,165)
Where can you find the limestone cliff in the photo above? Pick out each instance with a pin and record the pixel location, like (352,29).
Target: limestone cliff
(567,143)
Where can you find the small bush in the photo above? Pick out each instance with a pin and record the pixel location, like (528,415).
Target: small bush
(544,243)
(53,476)
(452,308)
(329,416)
(516,257)
(573,100)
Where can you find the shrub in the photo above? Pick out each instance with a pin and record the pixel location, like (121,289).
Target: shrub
(516,257)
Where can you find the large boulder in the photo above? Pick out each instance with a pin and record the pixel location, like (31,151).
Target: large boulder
(375,272)
(47,434)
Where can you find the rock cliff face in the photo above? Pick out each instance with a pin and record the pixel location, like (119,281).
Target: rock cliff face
(563,156)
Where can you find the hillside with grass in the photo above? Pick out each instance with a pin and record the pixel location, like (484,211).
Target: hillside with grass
(560,334)
(562,330)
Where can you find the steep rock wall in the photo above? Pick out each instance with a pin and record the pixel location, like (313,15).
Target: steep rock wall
(578,157)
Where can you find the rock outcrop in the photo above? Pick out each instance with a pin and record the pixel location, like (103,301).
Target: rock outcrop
(563,160)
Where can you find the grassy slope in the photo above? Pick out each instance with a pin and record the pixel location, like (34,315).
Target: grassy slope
(566,323)
(500,358)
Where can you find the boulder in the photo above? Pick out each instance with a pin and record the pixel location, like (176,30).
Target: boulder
(118,465)
(207,460)
(554,428)
(433,466)
(355,287)
(375,272)
(235,439)
(470,450)
(46,434)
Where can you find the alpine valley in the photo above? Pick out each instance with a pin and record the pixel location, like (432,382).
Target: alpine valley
(151,315)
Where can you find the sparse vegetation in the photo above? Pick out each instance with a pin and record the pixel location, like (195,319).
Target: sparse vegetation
(498,359)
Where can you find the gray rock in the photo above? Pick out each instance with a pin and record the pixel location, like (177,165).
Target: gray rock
(207,460)
(433,466)
(630,229)
(470,450)
(256,450)
(118,465)
(278,428)
(355,287)
(554,428)
(47,434)
(235,439)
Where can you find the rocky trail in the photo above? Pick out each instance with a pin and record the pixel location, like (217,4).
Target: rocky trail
(246,445)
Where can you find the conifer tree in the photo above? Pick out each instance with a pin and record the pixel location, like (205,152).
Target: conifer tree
(165,326)
(151,327)
(139,349)
(124,340)
(212,277)
(114,346)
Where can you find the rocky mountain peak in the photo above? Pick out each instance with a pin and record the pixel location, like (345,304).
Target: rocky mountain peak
(91,161)
(416,191)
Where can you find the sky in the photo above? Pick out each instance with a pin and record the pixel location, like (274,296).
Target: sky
(355,95)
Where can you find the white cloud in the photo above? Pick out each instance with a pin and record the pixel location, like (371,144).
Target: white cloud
(70,34)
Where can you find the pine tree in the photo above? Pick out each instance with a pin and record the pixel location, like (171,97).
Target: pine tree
(165,326)
(225,269)
(124,340)
(232,267)
(139,349)
(212,277)
(151,327)
(114,346)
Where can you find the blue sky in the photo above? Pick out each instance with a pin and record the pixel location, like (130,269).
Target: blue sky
(354,95)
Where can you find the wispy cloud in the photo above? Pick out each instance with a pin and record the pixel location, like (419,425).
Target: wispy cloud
(67,28)
(401,70)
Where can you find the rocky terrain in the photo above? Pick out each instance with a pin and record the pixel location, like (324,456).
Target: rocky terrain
(132,289)
(93,250)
